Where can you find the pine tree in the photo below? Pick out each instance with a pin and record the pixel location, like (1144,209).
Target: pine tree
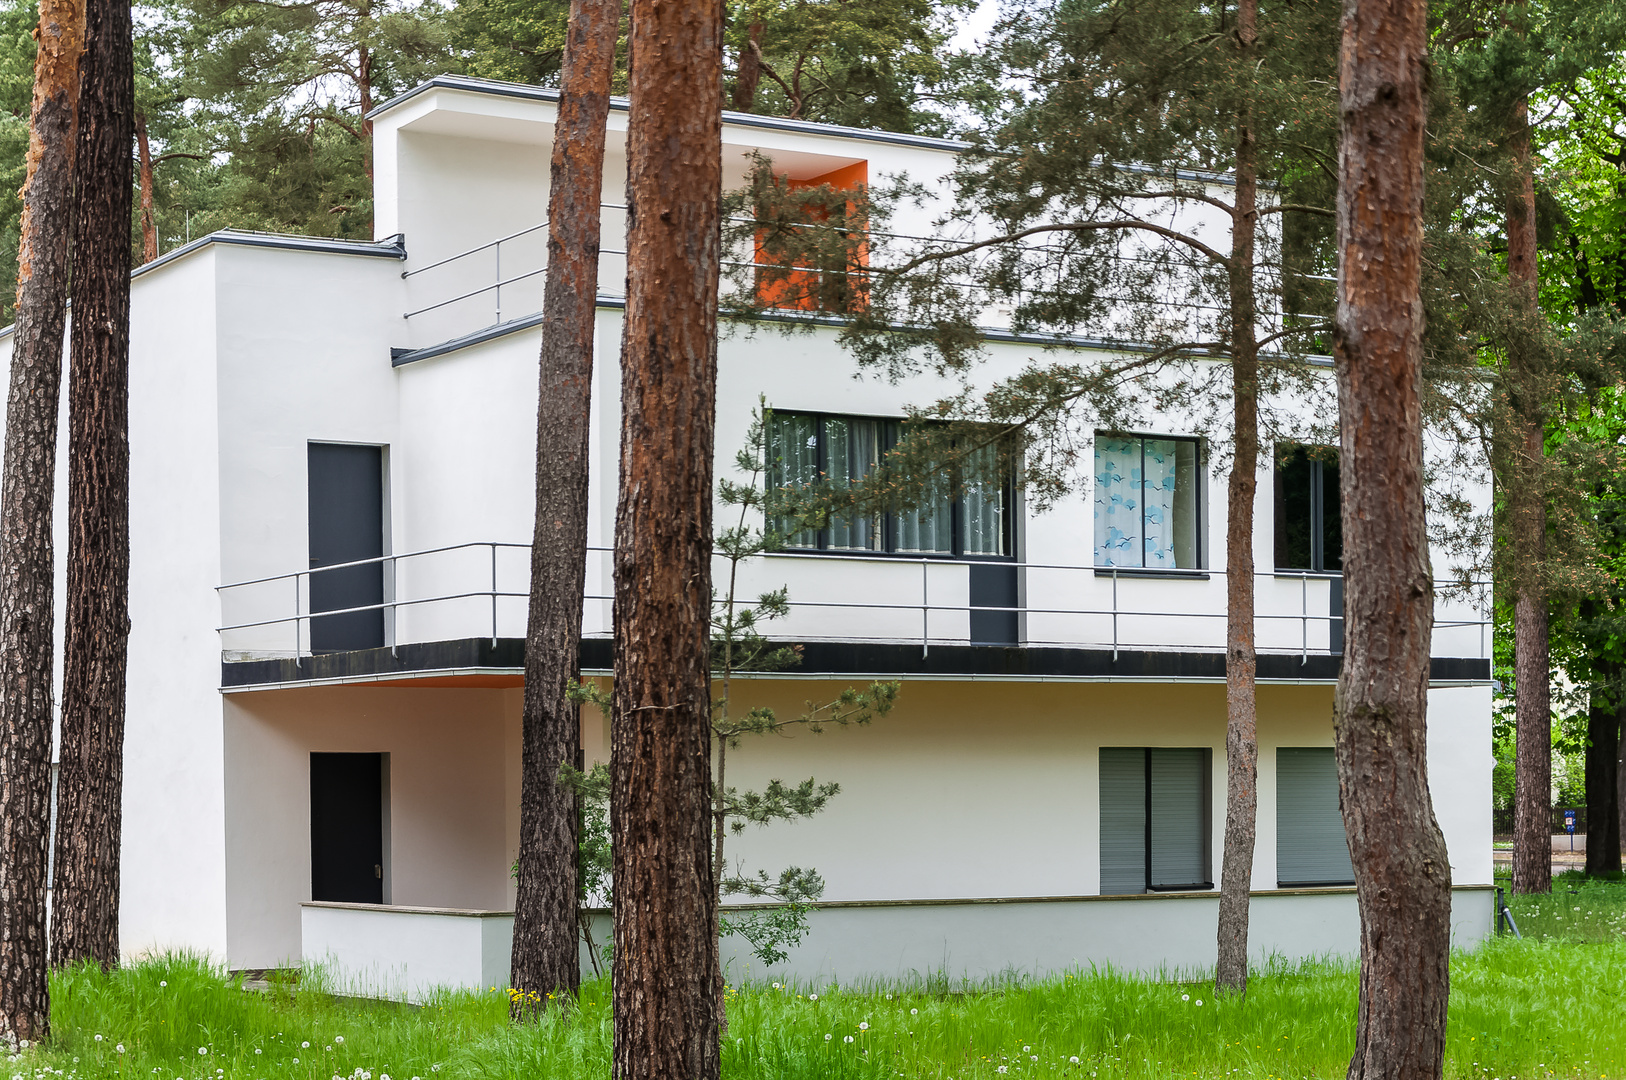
(27,489)
(545,956)
(90,785)
(665,1007)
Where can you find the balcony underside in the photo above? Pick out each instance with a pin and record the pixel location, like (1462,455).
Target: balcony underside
(487,663)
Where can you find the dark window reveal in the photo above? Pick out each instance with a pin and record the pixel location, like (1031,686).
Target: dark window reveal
(1309,528)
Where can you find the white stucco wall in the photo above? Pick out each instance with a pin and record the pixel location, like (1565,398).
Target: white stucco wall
(451,840)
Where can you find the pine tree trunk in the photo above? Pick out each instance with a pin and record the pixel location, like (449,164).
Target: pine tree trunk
(149,227)
(1603,746)
(1402,873)
(1241,663)
(748,73)
(1533,739)
(665,1005)
(27,490)
(90,783)
(546,955)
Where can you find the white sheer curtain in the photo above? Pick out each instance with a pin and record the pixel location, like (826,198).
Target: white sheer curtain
(793,462)
(982,505)
(852,449)
(1158,481)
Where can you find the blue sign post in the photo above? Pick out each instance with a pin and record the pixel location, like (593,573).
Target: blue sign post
(1569,826)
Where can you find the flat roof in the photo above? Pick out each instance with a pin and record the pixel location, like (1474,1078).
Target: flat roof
(527,92)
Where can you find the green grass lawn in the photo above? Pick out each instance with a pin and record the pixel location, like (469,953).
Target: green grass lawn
(1552,1005)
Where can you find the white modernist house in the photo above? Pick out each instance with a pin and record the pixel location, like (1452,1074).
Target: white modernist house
(324,762)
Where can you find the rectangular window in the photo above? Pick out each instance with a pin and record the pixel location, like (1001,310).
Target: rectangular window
(1311,848)
(1155,819)
(1309,526)
(809,448)
(1148,502)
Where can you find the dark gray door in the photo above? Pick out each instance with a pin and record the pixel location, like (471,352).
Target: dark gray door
(346,524)
(993,586)
(347,828)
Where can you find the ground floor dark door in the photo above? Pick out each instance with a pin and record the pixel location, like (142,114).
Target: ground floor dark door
(347,828)
(346,524)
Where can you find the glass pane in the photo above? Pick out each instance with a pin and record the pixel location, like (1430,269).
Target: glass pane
(982,505)
(793,462)
(1118,537)
(1179,827)
(925,530)
(1293,509)
(1160,494)
(1332,515)
(852,449)
(1188,547)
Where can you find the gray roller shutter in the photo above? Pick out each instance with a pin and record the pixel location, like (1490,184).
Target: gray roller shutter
(1310,845)
(1123,820)
(1179,828)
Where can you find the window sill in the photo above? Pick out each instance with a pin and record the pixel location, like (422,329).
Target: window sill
(1313,575)
(1139,572)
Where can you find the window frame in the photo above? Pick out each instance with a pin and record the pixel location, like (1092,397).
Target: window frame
(1205,824)
(1199,513)
(892,426)
(1318,512)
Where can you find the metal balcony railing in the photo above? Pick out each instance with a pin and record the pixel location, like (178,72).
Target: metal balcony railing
(481,589)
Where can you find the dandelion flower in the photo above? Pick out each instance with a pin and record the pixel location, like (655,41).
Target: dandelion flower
(338,1038)
(119,1048)
(812,997)
(846,1038)
(827,1036)
(163,982)
(863,1025)
(1000,1069)
(1185,997)
(257,1050)
(1073,1060)
(204,1050)
(306,1045)
(913,1012)
(1199,1001)
(1025,1049)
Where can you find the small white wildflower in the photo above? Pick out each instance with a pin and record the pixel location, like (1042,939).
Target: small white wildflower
(1000,1069)
(889,997)
(1199,1001)
(1034,1057)
(846,1038)
(776,986)
(812,997)
(914,1012)
(305,1045)
(257,1050)
(1185,997)
(204,1050)
(1025,1049)
(163,982)
(338,1038)
(119,1048)
(827,1036)
(863,1025)
(328,1047)
(1073,1060)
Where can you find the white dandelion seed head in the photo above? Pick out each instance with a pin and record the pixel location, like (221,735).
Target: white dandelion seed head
(914,1012)
(1199,1001)
(863,1025)
(203,1050)
(305,1045)
(828,1036)
(1185,997)
(1073,1060)
(1025,1049)
(846,1038)
(338,1038)
(98,1037)
(119,1048)
(163,982)
(812,997)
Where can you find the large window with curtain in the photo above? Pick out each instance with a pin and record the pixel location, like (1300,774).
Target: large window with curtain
(1155,819)
(813,448)
(1148,502)
(1311,847)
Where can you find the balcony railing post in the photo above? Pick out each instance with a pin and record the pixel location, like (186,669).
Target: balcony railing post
(493,596)
(1304,612)
(925,610)
(1114,614)
(497,247)
(296,619)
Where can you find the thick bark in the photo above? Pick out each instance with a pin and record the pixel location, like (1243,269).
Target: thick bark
(665,1005)
(1402,873)
(27,490)
(1241,662)
(364,88)
(546,955)
(1620,775)
(748,73)
(90,783)
(1602,813)
(149,227)
(1533,750)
